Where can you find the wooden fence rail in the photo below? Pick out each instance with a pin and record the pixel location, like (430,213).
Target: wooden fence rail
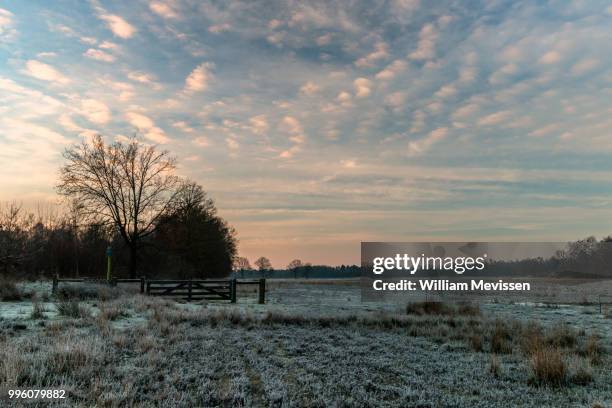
(184,289)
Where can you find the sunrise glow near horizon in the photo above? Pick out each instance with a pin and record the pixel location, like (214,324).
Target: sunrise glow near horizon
(317,126)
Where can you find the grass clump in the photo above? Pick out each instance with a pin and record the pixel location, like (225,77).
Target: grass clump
(440,308)
(495,366)
(112,313)
(581,372)
(548,367)
(71,308)
(38,311)
(501,338)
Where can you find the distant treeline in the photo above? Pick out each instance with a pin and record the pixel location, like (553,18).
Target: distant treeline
(302,272)
(585,258)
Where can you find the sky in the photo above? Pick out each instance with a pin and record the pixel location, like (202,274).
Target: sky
(315,125)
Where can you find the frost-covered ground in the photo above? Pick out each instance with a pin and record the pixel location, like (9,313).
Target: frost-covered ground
(311,345)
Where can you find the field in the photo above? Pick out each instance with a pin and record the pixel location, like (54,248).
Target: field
(312,345)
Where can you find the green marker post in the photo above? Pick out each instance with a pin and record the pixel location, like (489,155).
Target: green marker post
(109,256)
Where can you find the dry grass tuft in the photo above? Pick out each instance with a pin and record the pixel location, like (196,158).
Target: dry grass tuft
(440,308)
(501,338)
(593,349)
(581,372)
(548,367)
(71,308)
(476,342)
(112,312)
(495,366)
(562,335)
(38,311)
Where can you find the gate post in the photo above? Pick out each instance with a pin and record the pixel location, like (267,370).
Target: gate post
(262,291)
(233,290)
(142,284)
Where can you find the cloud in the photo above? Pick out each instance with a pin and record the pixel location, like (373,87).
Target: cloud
(289,153)
(362,87)
(395,100)
(219,28)
(157,135)
(163,9)
(551,57)
(146,125)
(309,88)
(392,70)
(108,45)
(95,111)
(139,120)
(446,91)
(419,147)
(544,130)
(46,55)
(349,163)
(99,55)
(494,118)
(232,144)
(259,124)
(324,39)
(426,48)
(465,111)
(141,77)
(7,32)
(117,24)
(45,72)
(201,141)
(584,66)
(381,51)
(199,78)
(291,125)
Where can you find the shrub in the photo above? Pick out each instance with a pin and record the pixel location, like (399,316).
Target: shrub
(71,308)
(548,367)
(532,338)
(562,336)
(77,292)
(476,342)
(9,292)
(501,338)
(581,371)
(593,349)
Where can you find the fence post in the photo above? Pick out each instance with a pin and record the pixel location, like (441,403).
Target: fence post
(262,291)
(142,284)
(148,288)
(189,296)
(55,278)
(233,290)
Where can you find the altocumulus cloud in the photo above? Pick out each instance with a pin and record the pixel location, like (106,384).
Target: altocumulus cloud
(282,109)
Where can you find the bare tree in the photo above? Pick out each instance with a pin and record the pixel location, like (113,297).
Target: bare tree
(241,264)
(293,266)
(129,185)
(263,264)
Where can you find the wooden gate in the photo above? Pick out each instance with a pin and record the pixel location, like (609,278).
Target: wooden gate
(193,289)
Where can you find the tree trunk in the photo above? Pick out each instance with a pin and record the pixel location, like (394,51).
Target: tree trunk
(133,261)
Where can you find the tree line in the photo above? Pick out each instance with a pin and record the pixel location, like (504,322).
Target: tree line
(296,269)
